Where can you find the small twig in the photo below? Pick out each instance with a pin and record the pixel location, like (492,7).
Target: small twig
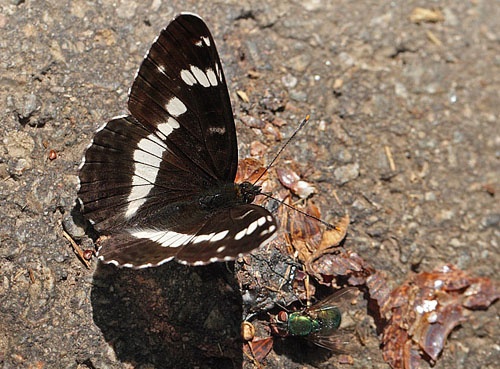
(336,197)
(434,39)
(308,293)
(76,249)
(371,202)
(389,158)
(285,278)
(253,359)
(32,276)
(273,289)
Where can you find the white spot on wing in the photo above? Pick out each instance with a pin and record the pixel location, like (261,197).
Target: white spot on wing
(203,237)
(175,107)
(206,40)
(252,227)
(167,128)
(182,240)
(271,228)
(220,249)
(261,221)
(188,77)
(211,77)
(161,69)
(164,238)
(200,76)
(151,149)
(147,159)
(240,234)
(218,71)
(219,236)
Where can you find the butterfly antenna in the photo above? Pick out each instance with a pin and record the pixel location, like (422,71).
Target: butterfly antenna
(331,226)
(301,125)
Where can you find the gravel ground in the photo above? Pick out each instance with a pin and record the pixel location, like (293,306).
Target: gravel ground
(377,86)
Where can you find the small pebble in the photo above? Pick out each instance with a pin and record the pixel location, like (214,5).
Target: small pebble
(346,173)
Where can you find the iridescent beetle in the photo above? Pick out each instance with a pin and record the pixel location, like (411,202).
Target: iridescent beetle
(320,323)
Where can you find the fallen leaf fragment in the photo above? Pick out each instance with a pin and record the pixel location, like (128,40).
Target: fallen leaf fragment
(249,170)
(259,348)
(257,148)
(424,310)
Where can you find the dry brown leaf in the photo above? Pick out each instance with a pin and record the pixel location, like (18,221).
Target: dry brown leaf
(426,308)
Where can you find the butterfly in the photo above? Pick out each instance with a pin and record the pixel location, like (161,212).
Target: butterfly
(158,184)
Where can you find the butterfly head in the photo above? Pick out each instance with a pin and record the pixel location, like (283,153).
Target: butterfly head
(248,191)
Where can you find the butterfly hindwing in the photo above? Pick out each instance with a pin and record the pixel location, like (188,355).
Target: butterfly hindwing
(248,225)
(128,168)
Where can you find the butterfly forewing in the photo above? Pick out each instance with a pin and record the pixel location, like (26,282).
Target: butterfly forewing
(181,84)
(144,174)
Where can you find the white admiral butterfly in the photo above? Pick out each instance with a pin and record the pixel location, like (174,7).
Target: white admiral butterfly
(159,183)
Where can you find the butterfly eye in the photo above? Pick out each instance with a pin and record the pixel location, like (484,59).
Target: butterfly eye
(282,316)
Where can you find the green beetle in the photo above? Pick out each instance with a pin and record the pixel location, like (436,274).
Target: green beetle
(320,323)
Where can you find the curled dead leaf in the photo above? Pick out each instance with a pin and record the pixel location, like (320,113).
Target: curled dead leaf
(247,331)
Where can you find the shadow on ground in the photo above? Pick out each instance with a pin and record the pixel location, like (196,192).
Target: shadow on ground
(171,316)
